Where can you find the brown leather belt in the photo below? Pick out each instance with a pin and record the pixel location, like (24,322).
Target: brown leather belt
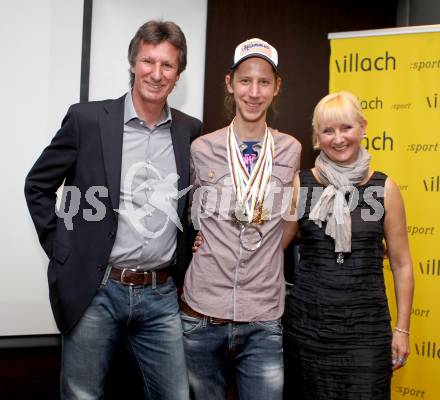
(195,314)
(131,276)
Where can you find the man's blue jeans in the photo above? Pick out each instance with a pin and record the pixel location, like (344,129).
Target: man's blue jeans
(253,350)
(147,318)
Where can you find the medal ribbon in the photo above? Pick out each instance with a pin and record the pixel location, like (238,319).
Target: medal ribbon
(251,189)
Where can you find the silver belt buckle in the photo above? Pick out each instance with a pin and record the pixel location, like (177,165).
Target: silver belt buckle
(123,276)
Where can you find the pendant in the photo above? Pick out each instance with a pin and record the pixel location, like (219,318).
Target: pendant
(250,236)
(340,258)
(261,215)
(240,216)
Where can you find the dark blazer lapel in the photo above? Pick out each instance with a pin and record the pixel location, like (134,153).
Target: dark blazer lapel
(111,122)
(181,142)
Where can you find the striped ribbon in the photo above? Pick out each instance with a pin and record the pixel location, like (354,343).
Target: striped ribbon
(251,188)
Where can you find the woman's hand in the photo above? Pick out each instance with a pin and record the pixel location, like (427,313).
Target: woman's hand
(197,242)
(400,349)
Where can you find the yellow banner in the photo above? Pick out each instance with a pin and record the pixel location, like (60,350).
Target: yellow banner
(397,79)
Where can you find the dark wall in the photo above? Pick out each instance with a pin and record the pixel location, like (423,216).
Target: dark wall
(298,30)
(418,12)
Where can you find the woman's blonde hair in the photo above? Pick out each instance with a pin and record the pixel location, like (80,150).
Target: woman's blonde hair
(336,107)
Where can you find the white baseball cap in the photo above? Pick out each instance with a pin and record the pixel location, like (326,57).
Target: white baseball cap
(255,48)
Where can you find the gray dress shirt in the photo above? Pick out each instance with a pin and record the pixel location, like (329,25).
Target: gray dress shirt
(146,235)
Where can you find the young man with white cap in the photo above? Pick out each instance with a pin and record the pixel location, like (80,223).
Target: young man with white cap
(234,288)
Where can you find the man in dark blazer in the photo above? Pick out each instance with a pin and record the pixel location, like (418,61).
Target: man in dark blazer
(118,238)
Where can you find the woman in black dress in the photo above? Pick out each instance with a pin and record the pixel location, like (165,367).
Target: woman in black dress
(338,340)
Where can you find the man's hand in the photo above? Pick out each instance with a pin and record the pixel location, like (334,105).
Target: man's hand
(197,242)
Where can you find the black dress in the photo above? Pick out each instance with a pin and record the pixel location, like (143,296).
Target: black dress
(337,322)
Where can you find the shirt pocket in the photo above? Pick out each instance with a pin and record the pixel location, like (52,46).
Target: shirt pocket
(283,174)
(280,189)
(219,176)
(216,192)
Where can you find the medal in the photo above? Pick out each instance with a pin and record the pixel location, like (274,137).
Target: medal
(251,189)
(250,235)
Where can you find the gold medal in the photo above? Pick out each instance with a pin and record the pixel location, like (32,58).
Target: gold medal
(261,215)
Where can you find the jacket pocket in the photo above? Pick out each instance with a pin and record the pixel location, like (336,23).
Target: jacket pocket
(60,252)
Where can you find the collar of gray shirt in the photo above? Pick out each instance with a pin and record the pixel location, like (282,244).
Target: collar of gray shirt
(130,113)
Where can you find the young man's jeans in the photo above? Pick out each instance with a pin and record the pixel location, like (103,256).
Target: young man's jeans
(147,318)
(253,350)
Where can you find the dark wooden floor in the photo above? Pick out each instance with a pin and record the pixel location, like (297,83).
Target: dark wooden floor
(28,373)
